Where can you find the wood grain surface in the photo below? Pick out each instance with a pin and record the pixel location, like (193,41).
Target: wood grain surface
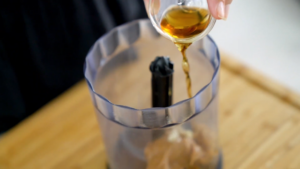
(259,128)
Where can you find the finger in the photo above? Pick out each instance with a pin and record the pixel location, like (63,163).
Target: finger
(219,8)
(228,2)
(227,7)
(146,2)
(155,6)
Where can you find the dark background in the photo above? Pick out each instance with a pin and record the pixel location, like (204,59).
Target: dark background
(43,44)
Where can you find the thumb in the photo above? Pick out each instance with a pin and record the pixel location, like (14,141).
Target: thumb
(219,8)
(155,4)
(146,2)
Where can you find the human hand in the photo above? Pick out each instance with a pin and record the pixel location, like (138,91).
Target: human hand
(218,8)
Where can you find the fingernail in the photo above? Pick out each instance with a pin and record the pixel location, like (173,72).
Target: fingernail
(221,10)
(227,11)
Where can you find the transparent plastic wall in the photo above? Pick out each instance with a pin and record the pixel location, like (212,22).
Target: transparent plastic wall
(137,136)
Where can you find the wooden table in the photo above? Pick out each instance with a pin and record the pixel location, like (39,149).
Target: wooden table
(259,128)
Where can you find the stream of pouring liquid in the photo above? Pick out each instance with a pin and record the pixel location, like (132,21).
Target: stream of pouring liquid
(185,66)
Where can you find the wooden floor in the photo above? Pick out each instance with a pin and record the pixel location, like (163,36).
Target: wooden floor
(259,128)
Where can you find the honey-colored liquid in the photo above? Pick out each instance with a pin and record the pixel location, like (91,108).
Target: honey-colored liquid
(185,66)
(185,22)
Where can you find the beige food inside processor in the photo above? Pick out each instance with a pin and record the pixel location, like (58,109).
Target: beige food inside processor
(182,149)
